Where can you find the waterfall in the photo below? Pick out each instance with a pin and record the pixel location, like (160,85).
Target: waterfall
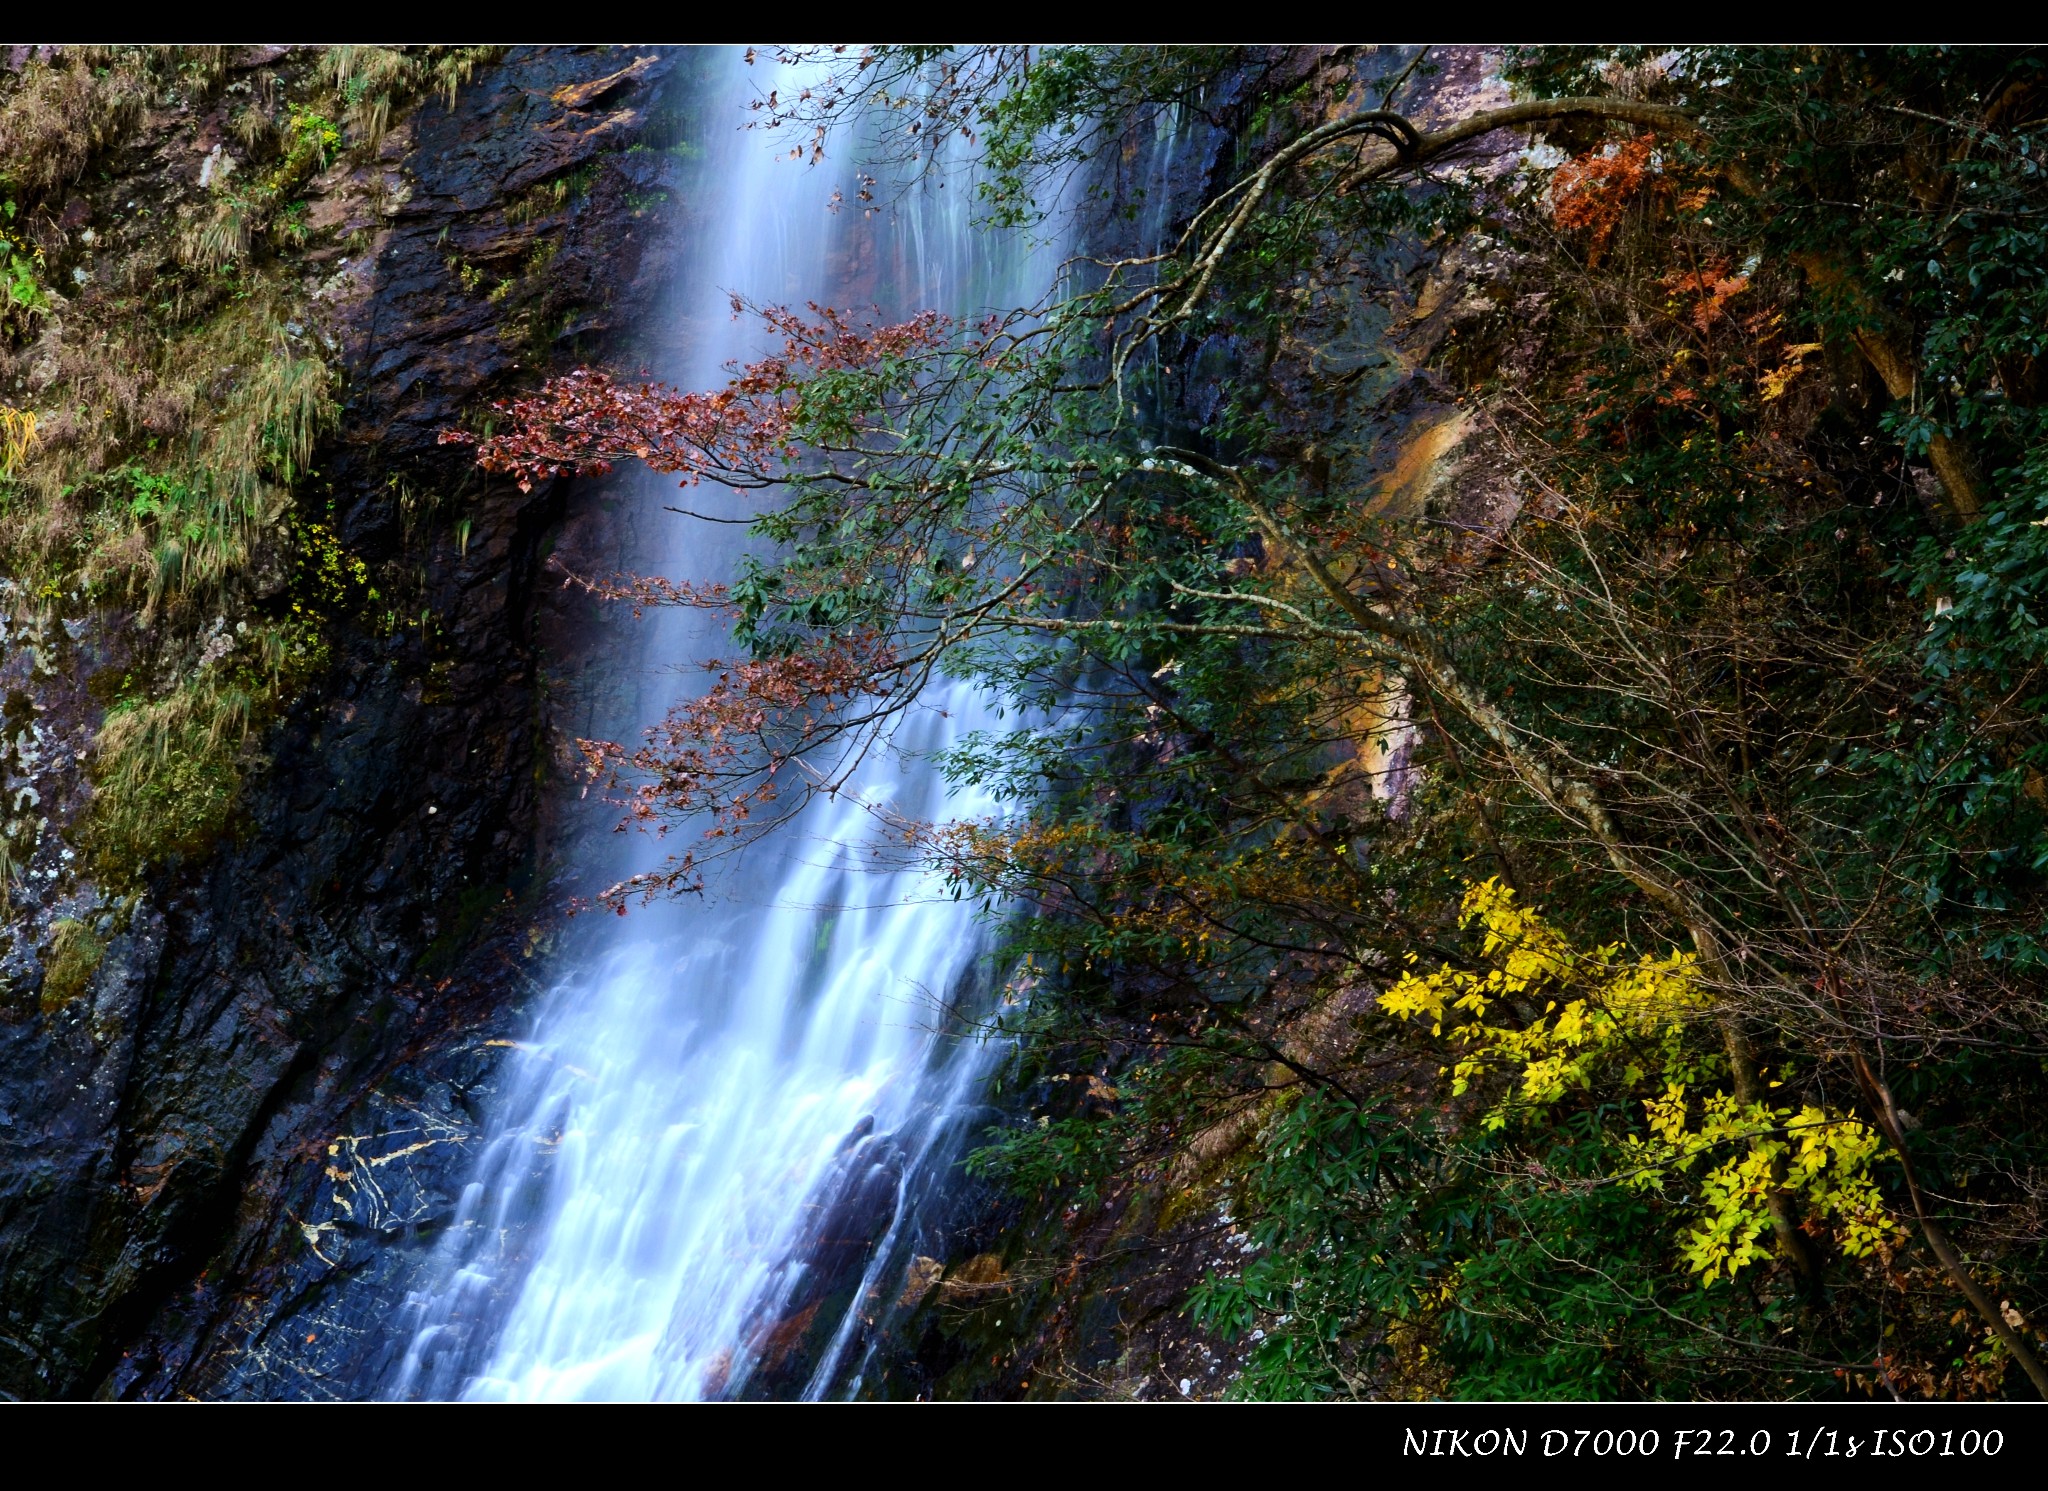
(708,1150)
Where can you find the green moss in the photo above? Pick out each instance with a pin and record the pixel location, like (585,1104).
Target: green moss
(168,777)
(169,770)
(74,957)
(551,196)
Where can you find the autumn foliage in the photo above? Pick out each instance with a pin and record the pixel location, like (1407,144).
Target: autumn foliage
(726,755)
(585,422)
(1590,192)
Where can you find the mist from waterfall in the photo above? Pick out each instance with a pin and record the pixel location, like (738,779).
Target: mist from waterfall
(722,1094)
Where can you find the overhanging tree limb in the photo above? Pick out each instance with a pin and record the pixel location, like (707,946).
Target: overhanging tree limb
(1214,231)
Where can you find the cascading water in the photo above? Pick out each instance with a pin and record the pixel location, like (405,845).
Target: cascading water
(710,1146)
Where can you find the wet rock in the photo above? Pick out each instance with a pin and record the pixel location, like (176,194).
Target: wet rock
(222,1163)
(918,1281)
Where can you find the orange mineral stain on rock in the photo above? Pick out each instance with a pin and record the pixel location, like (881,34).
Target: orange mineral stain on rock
(1402,493)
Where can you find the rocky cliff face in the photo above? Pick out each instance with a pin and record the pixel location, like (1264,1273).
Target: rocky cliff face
(224,1143)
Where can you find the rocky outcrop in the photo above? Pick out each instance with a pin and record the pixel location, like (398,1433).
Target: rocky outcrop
(221,1151)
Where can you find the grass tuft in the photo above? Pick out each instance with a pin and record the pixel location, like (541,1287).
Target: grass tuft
(74,957)
(169,771)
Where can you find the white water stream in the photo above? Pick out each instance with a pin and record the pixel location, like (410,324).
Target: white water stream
(657,1190)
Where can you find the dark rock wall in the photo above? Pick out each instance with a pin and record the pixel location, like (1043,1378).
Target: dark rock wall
(217,1169)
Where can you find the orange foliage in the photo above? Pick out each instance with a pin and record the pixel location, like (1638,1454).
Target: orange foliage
(585,421)
(1711,288)
(1592,191)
